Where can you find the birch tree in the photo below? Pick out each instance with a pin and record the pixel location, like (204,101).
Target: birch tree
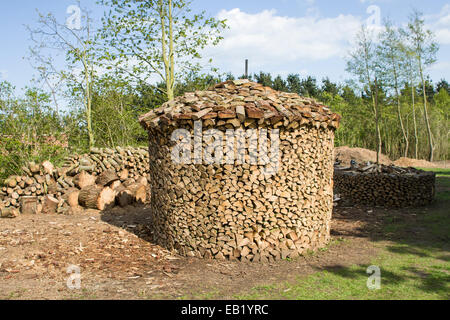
(392,60)
(363,64)
(163,38)
(75,42)
(424,49)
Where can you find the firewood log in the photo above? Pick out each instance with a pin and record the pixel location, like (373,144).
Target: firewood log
(29,205)
(107,178)
(83,180)
(97,197)
(49,205)
(135,193)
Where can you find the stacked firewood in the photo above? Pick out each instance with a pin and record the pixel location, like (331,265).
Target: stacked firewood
(236,211)
(135,160)
(384,186)
(97,180)
(241,103)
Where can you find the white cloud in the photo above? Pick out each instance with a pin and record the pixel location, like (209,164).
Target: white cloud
(441,66)
(270,40)
(440,24)
(3,74)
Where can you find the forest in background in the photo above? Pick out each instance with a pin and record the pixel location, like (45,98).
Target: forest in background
(390,104)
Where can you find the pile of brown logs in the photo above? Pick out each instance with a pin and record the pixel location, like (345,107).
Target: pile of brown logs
(235,211)
(383,186)
(98,180)
(241,103)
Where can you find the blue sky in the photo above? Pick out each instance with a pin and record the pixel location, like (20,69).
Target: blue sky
(310,37)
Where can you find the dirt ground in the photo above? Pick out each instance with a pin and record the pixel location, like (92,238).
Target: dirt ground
(360,155)
(118,261)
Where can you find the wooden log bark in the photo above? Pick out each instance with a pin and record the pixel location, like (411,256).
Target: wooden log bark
(9,213)
(83,180)
(48,167)
(71,197)
(107,178)
(50,205)
(134,194)
(28,205)
(97,197)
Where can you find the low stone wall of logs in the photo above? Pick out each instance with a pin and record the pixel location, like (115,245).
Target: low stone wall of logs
(98,180)
(383,186)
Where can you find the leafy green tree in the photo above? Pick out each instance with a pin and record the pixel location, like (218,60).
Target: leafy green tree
(264,78)
(156,37)
(294,83)
(392,59)
(29,129)
(443,84)
(51,38)
(363,63)
(115,118)
(279,84)
(329,87)
(424,49)
(309,88)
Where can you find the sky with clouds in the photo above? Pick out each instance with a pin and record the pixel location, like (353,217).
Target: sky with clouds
(309,37)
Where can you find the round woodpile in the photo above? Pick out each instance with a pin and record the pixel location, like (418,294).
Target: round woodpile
(236,210)
(43,188)
(383,186)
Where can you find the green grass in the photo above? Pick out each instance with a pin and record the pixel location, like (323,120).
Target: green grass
(412,267)
(403,276)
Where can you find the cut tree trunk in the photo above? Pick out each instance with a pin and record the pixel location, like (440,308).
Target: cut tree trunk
(9,212)
(50,205)
(116,185)
(107,178)
(133,194)
(124,174)
(29,205)
(48,167)
(84,180)
(71,197)
(97,197)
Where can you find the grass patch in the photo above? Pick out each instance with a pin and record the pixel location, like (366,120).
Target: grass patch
(403,276)
(414,266)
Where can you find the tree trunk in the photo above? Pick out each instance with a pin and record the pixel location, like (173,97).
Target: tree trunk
(416,138)
(425,111)
(71,197)
(96,197)
(83,180)
(107,178)
(29,205)
(399,113)
(50,205)
(135,193)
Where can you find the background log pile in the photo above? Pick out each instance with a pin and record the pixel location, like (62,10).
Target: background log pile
(98,180)
(235,211)
(383,186)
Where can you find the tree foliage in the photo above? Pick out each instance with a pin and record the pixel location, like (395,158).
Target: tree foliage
(156,37)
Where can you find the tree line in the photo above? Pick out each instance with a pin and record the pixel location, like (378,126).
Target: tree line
(148,52)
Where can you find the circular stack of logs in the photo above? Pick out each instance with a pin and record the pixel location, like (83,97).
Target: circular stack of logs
(236,211)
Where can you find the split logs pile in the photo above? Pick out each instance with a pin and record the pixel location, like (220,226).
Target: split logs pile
(383,186)
(97,180)
(241,210)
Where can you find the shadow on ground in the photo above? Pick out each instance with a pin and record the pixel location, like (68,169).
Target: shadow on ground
(416,241)
(415,237)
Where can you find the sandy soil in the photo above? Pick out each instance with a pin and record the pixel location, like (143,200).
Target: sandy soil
(118,261)
(360,155)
